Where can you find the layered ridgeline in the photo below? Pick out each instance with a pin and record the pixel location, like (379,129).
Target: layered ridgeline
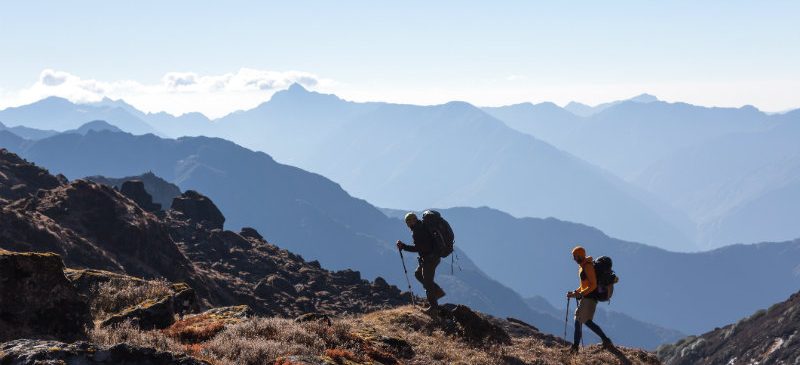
(769,336)
(732,171)
(303,212)
(673,290)
(145,286)
(444,155)
(57,114)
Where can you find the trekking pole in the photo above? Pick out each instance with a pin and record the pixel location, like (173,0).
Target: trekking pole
(566,320)
(403,259)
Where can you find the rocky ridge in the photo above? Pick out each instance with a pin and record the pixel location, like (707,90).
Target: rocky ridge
(769,336)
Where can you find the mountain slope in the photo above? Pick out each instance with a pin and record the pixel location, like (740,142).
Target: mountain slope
(672,290)
(387,153)
(738,187)
(628,136)
(59,114)
(769,336)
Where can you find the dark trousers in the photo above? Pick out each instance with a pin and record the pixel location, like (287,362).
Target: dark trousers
(576,339)
(425,273)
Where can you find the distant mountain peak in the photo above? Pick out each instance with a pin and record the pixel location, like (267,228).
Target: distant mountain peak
(54,100)
(296,88)
(644,98)
(95,126)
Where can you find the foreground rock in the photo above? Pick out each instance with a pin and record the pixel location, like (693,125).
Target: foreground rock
(37,300)
(37,352)
(770,336)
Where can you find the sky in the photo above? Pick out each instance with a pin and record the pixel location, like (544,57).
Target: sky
(218,57)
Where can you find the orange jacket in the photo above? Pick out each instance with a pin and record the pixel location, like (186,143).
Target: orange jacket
(588,277)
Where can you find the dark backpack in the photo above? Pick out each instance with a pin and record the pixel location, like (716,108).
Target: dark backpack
(606,278)
(443,236)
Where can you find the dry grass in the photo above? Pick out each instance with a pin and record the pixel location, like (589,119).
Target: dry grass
(117,294)
(194,329)
(125,332)
(263,340)
(256,341)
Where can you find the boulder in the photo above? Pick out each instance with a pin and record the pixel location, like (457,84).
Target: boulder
(198,208)
(272,285)
(134,189)
(39,352)
(250,232)
(148,315)
(37,300)
(473,327)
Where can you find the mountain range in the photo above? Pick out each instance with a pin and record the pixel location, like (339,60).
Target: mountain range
(728,170)
(378,151)
(291,207)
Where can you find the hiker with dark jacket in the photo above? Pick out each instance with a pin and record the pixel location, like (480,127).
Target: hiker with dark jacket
(429,259)
(587,300)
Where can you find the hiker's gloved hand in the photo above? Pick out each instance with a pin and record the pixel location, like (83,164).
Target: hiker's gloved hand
(400,245)
(573,294)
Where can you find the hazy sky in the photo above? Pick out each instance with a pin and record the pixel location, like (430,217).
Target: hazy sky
(216,57)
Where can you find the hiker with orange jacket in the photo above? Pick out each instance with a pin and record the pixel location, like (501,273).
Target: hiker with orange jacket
(587,300)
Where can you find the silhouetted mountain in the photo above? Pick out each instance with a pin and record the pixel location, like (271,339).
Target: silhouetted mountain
(579,109)
(583,110)
(95,126)
(28,133)
(304,212)
(59,114)
(769,336)
(628,136)
(444,155)
(672,290)
(162,191)
(189,124)
(545,121)
(739,187)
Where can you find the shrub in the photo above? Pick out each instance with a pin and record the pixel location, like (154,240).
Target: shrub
(125,332)
(263,340)
(199,328)
(117,294)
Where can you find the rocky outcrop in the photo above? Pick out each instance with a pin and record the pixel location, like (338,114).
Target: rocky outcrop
(109,230)
(93,226)
(472,326)
(20,179)
(770,336)
(37,300)
(198,208)
(161,191)
(155,311)
(134,189)
(37,352)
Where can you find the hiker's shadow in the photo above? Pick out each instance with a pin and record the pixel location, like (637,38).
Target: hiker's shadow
(620,356)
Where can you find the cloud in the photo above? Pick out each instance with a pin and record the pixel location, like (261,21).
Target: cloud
(176,93)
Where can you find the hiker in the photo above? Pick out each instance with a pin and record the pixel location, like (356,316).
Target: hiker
(429,258)
(587,300)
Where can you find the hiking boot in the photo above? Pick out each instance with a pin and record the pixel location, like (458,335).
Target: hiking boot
(608,345)
(439,293)
(573,349)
